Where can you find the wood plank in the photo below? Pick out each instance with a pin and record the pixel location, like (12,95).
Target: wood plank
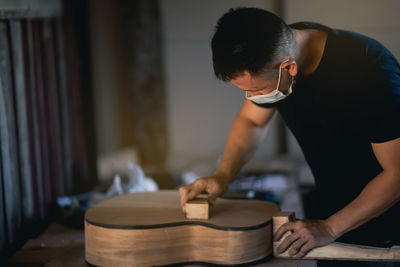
(336,250)
(126,230)
(8,140)
(20,82)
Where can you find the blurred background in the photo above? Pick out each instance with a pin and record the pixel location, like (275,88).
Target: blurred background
(90,86)
(187,118)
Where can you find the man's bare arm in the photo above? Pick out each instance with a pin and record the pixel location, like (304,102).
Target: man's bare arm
(247,132)
(384,190)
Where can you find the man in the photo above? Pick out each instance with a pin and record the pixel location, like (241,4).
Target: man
(339,93)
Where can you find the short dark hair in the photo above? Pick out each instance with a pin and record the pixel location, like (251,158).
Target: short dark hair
(249,39)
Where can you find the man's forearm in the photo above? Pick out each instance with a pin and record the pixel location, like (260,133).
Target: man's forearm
(378,196)
(243,140)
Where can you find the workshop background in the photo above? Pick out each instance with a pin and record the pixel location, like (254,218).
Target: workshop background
(88,87)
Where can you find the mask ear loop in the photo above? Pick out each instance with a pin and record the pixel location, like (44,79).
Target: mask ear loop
(289,91)
(279,78)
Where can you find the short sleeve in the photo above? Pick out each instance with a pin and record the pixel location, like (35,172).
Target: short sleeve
(383,123)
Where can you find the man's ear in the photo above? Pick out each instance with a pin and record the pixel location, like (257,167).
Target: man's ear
(290,67)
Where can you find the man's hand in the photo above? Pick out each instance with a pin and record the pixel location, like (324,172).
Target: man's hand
(215,186)
(306,235)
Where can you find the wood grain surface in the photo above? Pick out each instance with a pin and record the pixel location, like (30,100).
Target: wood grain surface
(149,229)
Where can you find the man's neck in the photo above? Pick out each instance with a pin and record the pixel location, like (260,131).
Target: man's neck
(310,45)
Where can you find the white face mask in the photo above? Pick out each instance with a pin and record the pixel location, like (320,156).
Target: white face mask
(273,96)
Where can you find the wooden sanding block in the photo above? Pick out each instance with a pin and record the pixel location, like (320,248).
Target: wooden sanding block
(197,208)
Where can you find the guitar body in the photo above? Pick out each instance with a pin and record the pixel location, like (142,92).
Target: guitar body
(149,229)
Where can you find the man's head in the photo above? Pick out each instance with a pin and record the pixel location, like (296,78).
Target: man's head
(250,40)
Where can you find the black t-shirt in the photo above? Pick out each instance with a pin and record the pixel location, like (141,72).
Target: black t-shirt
(350,101)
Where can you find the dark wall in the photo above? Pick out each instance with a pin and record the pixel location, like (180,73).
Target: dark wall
(46,116)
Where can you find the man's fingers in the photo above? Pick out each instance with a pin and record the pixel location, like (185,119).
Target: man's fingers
(305,249)
(282,230)
(197,188)
(190,191)
(184,192)
(192,194)
(307,234)
(297,246)
(287,242)
(207,185)
(212,196)
(211,199)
